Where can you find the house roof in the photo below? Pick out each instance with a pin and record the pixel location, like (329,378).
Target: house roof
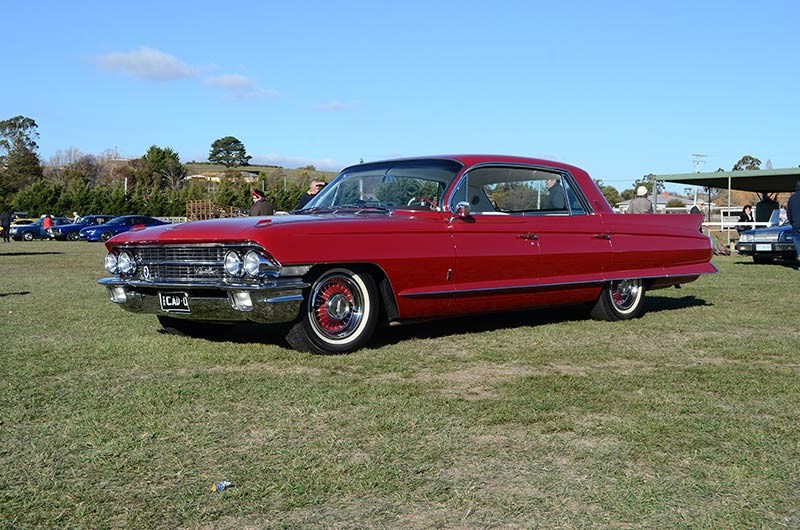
(762,180)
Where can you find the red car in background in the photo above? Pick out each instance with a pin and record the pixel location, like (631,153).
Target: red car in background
(401,240)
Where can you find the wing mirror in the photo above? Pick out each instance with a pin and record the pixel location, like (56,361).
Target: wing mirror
(463,210)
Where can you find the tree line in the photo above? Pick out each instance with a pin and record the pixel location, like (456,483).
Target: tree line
(154,184)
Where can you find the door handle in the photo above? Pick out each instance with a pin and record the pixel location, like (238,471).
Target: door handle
(528,236)
(603,236)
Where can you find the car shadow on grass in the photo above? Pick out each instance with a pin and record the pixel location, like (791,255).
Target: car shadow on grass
(2,254)
(500,321)
(431,329)
(18,293)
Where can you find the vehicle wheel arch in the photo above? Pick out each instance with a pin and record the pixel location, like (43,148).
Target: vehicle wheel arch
(386,294)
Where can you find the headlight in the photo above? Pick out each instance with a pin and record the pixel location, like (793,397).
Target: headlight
(126,263)
(233,263)
(256,264)
(746,238)
(111,263)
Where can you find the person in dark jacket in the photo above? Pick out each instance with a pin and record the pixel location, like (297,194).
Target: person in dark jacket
(261,205)
(5,222)
(313,189)
(746,219)
(793,215)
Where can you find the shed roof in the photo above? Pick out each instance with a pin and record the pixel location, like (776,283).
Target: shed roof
(762,180)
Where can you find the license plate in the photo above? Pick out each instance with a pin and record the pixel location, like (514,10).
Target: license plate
(174,302)
(764,247)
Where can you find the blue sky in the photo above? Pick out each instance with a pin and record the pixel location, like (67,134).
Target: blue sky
(621,89)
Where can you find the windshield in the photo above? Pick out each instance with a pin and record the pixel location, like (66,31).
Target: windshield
(778,217)
(398,184)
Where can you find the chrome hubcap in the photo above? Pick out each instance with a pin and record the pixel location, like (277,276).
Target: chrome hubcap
(625,293)
(336,307)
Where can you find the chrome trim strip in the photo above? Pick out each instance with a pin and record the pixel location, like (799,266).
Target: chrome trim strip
(489,290)
(290,283)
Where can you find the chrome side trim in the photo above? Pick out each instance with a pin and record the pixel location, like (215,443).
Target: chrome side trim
(291,283)
(537,286)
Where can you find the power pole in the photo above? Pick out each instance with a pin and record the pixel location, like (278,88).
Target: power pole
(698,159)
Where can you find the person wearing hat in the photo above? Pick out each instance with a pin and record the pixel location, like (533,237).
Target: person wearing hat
(261,205)
(641,204)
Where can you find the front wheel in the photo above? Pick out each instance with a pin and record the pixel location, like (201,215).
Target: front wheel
(27,236)
(339,315)
(73,236)
(620,300)
(105,236)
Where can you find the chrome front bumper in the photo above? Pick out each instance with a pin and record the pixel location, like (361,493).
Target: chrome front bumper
(271,302)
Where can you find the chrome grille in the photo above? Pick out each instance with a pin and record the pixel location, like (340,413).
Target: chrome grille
(769,237)
(189,263)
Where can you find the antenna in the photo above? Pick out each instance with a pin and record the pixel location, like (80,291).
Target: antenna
(698,159)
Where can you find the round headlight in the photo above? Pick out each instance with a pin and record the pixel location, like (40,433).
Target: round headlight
(126,263)
(252,263)
(233,263)
(111,263)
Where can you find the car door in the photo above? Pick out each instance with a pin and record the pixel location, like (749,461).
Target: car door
(496,247)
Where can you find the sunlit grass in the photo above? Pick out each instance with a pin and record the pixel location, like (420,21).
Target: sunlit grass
(686,417)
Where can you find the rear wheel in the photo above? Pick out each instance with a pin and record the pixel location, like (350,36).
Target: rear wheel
(339,314)
(620,300)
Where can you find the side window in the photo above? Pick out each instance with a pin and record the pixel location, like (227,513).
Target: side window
(517,191)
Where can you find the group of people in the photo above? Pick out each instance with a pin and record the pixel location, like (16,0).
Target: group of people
(261,206)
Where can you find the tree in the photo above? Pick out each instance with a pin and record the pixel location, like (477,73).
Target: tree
(747,163)
(19,162)
(609,192)
(647,182)
(229,152)
(164,166)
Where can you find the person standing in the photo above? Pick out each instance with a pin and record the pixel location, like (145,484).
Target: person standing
(746,220)
(5,222)
(47,223)
(313,188)
(641,204)
(698,208)
(793,216)
(261,205)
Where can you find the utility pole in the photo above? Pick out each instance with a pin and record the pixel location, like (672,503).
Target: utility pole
(698,159)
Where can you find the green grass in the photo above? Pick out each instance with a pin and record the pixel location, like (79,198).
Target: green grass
(687,417)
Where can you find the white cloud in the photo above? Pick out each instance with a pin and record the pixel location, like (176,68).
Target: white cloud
(274,159)
(230,81)
(146,63)
(240,87)
(333,106)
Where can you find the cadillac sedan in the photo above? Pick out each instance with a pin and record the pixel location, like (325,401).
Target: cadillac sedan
(402,240)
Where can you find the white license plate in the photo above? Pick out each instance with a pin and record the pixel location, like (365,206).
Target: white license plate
(174,302)
(763,247)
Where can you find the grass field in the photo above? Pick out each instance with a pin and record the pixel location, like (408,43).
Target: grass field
(687,417)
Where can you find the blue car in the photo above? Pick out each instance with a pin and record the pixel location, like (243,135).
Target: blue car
(70,231)
(116,226)
(35,230)
(768,244)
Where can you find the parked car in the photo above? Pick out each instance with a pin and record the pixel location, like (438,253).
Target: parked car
(403,240)
(767,244)
(34,230)
(70,232)
(116,226)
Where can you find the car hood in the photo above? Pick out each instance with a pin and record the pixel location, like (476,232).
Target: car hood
(241,229)
(769,229)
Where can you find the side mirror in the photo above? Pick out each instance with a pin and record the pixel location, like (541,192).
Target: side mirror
(463,210)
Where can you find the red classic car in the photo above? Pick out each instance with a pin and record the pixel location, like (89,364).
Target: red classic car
(409,239)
